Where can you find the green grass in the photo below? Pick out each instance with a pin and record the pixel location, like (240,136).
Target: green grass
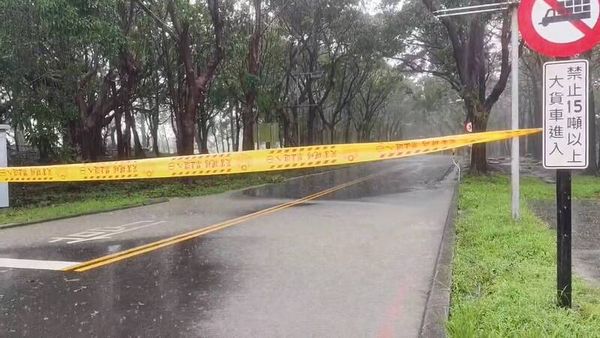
(504,273)
(37,202)
(582,187)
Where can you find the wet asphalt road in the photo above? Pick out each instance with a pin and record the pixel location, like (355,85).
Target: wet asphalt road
(354,263)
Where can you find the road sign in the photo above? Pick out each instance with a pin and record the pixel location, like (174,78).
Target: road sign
(566,114)
(469,127)
(560,28)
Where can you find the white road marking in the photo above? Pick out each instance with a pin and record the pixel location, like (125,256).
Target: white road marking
(34,264)
(103,232)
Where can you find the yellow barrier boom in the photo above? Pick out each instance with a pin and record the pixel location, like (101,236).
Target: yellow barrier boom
(250,161)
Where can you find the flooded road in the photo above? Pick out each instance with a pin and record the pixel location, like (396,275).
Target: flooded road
(349,252)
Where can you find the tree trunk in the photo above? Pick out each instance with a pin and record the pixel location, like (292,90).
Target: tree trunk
(187,131)
(143,135)
(154,121)
(121,145)
(523,122)
(250,80)
(238,127)
(227,141)
(175,126)
(137,146)
(296,138)
(479,151)
(155,148)
(214,132)
(203,129)
(223,132)
(74,130)
(91,142)
(248,118)
(310,120)
(233,126)
(285,126)
(332,134)
(248,132)
(347,131)
(127,138)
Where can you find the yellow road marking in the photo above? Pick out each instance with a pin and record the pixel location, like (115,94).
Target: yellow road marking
(122,255)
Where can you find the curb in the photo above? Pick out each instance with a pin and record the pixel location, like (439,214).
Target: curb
(129,206)
(437,306)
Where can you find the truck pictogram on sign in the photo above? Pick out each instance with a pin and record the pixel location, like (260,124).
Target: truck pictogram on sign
(575,10)
(560,27)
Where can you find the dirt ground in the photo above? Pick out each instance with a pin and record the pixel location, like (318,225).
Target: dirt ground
(586,234)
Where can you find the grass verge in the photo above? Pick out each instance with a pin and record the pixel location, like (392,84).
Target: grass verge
(38,202)
(504,273)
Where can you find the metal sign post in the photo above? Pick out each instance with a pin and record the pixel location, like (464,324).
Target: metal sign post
(563,237)
(514,98)
(4,200)
(565,148)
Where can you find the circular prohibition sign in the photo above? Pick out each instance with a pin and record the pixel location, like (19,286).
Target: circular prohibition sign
(560,28)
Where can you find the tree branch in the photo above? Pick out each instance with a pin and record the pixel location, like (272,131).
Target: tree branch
(505,67)
(455,39)
(158,20)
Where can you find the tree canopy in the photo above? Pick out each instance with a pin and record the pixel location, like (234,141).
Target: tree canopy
(90,80)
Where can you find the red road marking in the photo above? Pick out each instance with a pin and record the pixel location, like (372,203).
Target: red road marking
(392,316)
(578,23)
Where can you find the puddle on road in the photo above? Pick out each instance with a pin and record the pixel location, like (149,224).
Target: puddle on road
(394,179)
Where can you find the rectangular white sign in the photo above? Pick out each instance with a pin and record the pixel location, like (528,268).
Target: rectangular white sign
(566,114)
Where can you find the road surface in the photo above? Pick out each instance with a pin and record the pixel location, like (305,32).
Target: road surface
(345,253)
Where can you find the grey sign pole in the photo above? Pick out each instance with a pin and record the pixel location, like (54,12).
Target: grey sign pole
(4,202)
(514,97)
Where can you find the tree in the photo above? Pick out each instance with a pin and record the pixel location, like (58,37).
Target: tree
(90,76)
(250,78)
(198,76)
(469,63)
(371,100)
(318,32)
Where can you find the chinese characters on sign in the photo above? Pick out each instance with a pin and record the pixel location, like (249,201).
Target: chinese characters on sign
(565,114)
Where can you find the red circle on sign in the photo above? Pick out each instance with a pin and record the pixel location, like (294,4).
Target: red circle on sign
(538,43)
(469,127)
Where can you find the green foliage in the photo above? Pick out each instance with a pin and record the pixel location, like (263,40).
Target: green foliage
(47,46)
(56,54)
(504,271)
(250,82)
(583,187)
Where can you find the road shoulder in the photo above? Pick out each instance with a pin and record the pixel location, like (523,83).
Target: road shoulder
(437,306)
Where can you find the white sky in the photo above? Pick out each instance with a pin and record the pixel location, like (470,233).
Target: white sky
(371,6)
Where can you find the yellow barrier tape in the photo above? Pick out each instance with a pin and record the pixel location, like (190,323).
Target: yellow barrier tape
(250,161)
